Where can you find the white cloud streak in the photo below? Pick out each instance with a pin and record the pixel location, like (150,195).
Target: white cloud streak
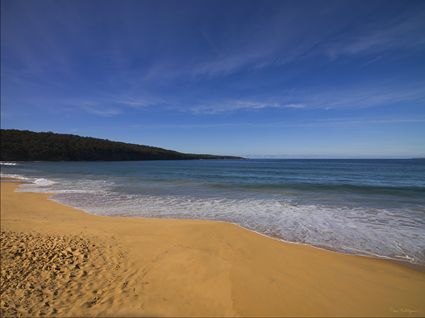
(238,105)
(399,33)
(320,123)
(353,97)
(271,44)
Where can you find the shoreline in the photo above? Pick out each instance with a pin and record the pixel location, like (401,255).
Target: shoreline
(264,275)
(401,261)
(411,258)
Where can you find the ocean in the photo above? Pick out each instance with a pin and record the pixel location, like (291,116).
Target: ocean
(366,207)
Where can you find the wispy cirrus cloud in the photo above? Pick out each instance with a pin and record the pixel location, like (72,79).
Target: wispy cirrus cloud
(364,96)
(99,106)
(87,106)
(349,97)
(317,123)
(110,106)
(284,39)
(406,31)
(101,111)
(231,105)
(275,37)
(135,101)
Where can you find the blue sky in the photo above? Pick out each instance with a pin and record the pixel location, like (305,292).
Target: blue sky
(254,78)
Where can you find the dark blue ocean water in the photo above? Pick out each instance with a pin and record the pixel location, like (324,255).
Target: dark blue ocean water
(372,207)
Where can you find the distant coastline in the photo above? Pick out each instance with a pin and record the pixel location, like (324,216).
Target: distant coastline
(25,145)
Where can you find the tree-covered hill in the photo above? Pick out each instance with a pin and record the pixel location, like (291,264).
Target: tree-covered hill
(24,145)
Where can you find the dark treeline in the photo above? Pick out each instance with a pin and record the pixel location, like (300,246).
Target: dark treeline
(24,145)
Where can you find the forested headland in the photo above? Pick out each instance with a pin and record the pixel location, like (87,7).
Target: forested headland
(25,145)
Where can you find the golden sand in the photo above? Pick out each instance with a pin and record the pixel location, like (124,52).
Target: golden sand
(60,261)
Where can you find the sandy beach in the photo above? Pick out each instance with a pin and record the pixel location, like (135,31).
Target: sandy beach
(59,261)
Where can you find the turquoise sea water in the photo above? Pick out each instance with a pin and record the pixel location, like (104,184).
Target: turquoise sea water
(370,207)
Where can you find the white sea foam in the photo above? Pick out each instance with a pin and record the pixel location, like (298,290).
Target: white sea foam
(42,182)
(375,232)
(13,176)
(71,191)
(62,186)
(3,163)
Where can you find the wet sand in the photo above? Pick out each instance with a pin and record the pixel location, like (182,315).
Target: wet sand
(59,261)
